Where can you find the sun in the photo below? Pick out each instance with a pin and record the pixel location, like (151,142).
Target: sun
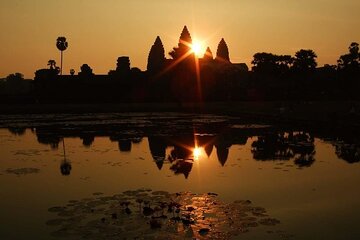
(197,48)
(197,153)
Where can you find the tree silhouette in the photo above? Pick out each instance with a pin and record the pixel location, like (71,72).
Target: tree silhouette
(85,71)
(284,62)
(264,63)
(15,77)
(354,49)
(352,59)
(65,168)
(156,57)
(222,53)
(62,45)
(305,60)
(184,45)
(52,64)
(19,131)
(268,63)
(348,151)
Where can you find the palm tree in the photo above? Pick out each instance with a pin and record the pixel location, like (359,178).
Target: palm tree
(62,45)
(52,64)
(65,167)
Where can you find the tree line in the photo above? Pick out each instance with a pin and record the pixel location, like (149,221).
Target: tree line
(184,77)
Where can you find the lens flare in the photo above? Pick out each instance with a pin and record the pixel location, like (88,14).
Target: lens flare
(196,153)
(197,48)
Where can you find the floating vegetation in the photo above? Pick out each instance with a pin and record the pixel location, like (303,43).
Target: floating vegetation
(22,171)
(247,126)
(28,153)
(147,214)
(97,193)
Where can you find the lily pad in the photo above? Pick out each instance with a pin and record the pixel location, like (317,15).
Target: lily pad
(22,171)
(144,214)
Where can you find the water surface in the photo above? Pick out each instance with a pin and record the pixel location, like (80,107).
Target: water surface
(305,179)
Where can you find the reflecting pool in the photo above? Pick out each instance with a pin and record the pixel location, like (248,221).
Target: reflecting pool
(121,175)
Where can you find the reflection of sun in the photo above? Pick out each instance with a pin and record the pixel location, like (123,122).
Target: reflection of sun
(198,48)
(197,153)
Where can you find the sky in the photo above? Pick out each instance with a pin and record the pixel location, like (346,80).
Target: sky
(99,31)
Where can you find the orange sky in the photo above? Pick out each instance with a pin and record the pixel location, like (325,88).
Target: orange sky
(99,31)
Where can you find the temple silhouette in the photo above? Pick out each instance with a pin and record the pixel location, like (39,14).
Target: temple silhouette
(183,77)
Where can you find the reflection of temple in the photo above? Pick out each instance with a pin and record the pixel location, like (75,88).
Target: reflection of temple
(182,143)
(207,142)
(87,139)
(125,141)
(157,147)
(181,157)
(213,138)
(182,166)
(222,145)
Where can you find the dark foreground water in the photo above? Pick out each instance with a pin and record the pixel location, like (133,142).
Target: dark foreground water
(90,177)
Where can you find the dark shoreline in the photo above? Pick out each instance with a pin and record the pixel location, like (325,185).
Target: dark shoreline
(344,114)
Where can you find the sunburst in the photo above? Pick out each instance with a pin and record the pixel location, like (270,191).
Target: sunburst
(198,48)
